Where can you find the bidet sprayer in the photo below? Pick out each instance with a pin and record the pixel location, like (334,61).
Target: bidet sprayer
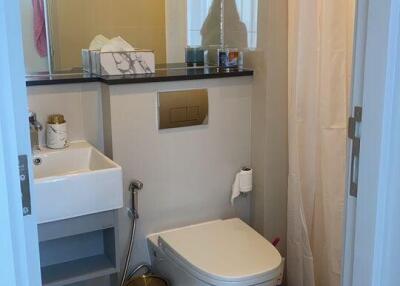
(134,187)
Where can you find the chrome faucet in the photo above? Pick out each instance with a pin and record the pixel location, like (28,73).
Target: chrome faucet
(34,127)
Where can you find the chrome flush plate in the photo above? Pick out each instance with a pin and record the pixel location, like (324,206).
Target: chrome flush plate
(182,108)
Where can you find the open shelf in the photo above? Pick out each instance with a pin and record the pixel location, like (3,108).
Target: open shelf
(69,255)
(77,270)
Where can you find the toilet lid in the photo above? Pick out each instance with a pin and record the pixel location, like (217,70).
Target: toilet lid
(227,250)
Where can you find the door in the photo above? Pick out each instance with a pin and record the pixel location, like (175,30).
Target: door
(372,227)
(361,21)
(19,249)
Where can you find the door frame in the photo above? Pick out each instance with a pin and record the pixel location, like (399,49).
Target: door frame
(377,65)
(19,247)
(12,246)
(357,91)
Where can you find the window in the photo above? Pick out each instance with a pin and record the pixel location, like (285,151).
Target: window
(198,11)
(248,11)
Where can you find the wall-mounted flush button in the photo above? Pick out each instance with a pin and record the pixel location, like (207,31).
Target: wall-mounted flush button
(178,115)
(193,113)
(183,108)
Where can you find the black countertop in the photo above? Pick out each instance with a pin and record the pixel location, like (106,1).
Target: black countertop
(161,75)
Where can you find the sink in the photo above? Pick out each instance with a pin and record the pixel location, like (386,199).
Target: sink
(75,181)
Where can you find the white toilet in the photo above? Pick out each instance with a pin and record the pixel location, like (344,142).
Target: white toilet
(219,253)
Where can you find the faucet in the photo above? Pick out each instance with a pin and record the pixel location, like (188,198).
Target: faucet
(34,127)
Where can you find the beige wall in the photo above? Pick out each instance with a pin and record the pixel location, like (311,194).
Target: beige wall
(76,22)
(270,121)
(176,30)
(175,36)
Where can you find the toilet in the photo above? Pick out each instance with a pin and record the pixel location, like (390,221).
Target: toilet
(218,253)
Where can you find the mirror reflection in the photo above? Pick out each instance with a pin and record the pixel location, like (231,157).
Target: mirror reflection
(166,27)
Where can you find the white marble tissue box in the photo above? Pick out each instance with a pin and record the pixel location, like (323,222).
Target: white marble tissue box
(122,63)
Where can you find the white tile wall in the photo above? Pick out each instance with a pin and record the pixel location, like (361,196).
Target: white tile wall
(187,172)
(79,103)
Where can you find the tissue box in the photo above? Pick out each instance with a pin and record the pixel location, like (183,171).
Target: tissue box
(120,63)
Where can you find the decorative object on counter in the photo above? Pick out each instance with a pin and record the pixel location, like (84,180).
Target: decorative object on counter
(86,61)
(211,55)
(116,57)
(194,56)
(229,58)
(123,63)
(56,133)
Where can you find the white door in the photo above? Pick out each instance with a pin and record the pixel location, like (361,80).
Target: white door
(19,254)
(372,224)
(361,21)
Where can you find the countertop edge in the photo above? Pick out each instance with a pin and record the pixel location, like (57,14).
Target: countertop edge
(138,80)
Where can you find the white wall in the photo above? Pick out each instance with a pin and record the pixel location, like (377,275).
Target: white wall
(187,172)
(79,103)
(33,62)
(270,121)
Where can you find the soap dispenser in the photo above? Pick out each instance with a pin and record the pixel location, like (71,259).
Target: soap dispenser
(57,132)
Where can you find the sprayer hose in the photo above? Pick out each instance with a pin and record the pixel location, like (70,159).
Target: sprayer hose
(128,256)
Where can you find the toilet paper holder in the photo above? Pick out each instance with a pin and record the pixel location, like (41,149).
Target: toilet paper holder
(242,184)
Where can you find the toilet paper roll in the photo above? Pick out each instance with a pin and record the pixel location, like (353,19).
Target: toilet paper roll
(243,183)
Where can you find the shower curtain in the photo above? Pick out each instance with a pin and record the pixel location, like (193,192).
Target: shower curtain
(320,60)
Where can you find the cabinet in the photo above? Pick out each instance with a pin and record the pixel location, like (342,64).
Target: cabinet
(79,249)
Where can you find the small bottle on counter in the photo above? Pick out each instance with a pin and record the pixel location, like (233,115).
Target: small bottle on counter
(230,58)
(56,133)
(194,56)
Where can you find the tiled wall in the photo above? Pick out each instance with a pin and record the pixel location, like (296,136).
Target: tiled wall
(79,103)
(187,172)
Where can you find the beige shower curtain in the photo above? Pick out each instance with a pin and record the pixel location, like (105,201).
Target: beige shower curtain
(320,60)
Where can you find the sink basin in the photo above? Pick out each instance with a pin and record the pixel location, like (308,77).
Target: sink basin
(75,181)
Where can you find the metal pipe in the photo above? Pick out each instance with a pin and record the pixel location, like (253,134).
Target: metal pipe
(134,189)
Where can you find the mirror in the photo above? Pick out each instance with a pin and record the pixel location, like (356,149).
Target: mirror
(165,26)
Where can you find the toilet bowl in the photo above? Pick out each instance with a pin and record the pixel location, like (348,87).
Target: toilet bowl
(218,253)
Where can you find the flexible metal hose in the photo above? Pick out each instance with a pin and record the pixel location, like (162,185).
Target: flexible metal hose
(134,188)
(131,247)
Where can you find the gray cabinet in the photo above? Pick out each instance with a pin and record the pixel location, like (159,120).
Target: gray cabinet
(79,249)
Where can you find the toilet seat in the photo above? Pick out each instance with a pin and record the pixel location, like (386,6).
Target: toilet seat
(223,251)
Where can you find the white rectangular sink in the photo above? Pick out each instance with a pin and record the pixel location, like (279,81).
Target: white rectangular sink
(75,181)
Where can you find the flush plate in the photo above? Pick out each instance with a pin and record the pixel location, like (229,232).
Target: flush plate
(182,108)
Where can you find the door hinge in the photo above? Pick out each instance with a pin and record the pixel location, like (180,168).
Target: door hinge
(24,183)
(354,135)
